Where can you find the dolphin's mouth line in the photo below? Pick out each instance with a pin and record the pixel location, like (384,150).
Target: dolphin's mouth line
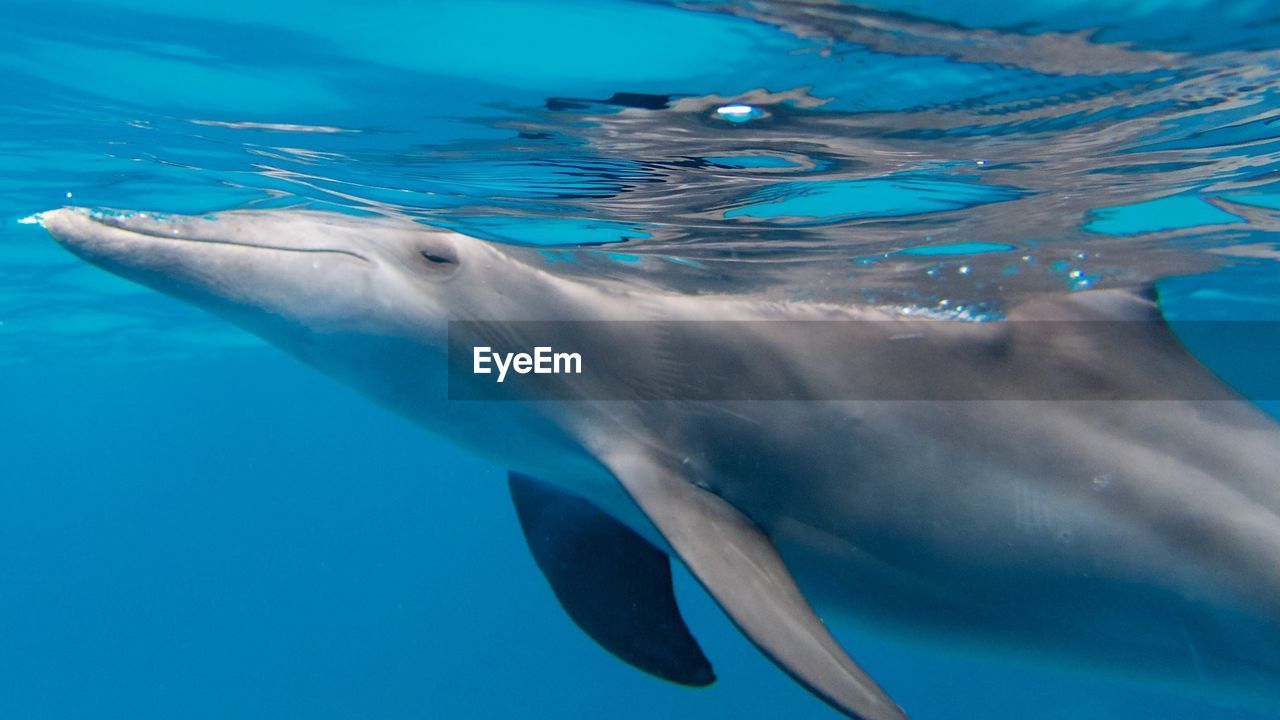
(180,238)
(318,251)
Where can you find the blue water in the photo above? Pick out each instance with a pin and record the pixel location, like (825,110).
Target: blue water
(194,526)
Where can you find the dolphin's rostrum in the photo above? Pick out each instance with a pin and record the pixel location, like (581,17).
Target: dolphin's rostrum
(1132,533)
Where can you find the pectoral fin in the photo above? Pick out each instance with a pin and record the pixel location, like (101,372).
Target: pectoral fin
(739,566)
(613,583)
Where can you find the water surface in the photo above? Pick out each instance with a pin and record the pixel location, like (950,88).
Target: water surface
(195,527)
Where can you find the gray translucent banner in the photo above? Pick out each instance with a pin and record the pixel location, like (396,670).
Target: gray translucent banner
(903,360)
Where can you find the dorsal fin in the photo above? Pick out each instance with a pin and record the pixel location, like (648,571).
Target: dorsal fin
(1109,344)
(1123,304)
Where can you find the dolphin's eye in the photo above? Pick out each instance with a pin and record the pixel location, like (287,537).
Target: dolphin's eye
(437,258)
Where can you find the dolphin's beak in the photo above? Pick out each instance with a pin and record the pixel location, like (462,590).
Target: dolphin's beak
(101,236)
(72,225)
(93,237)
(92,233)
(67,225)
(259,271)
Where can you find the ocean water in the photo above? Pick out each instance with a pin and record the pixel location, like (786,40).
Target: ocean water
(192,525)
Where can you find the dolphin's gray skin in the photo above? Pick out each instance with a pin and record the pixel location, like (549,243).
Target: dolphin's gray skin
(1141,535)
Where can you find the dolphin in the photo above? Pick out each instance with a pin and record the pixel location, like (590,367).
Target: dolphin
(1127,519)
